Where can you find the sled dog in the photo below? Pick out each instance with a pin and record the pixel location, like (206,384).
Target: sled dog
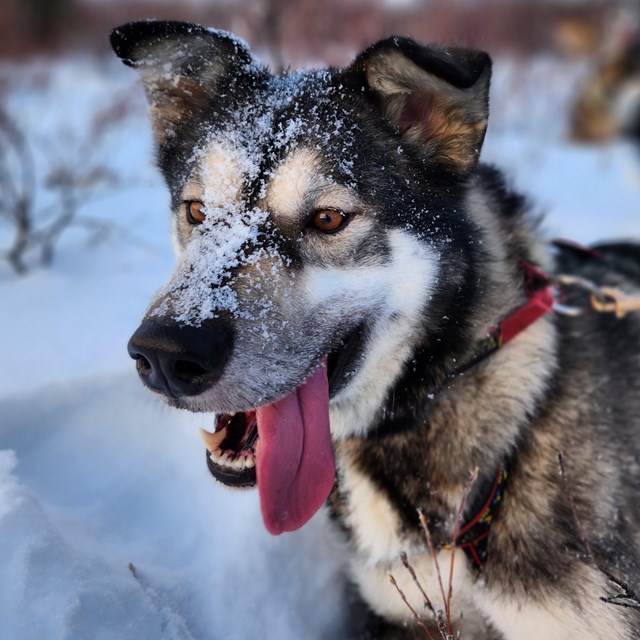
(367,309)
(607,105)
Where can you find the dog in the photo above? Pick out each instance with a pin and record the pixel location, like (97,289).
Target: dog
(607,104)
(367,309)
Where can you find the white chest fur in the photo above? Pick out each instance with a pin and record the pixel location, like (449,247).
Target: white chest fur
(378,542)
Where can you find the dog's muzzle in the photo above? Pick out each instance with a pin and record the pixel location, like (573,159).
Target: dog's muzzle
(180,360)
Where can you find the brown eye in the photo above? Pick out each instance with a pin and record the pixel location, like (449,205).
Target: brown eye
(328,220)
(195,212)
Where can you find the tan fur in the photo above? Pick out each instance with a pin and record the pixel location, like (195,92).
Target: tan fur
(292,182)
(171,101)
(556,619)
(452,122)
(606,99)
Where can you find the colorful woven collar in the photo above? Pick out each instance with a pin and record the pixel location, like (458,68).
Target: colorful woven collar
(474,535)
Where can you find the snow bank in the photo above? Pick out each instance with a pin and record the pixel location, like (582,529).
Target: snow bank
(60,589)
(95,477)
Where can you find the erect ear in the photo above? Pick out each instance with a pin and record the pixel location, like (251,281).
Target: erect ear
(438,98)
(182,65)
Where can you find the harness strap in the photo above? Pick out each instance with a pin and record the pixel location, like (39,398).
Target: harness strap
(540,301)
(474,535)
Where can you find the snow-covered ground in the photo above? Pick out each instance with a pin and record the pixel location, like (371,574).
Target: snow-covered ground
(110,525)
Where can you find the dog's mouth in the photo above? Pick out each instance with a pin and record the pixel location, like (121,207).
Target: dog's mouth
(285,447)
(231,455)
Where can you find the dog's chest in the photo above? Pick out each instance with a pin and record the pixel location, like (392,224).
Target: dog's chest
(378,541)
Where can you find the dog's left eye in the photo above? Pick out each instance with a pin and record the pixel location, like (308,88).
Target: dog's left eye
(328,220)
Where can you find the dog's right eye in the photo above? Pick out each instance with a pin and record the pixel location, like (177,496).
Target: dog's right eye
(195,212)
(328,220)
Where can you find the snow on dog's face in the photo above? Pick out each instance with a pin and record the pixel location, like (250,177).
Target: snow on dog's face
(309,215)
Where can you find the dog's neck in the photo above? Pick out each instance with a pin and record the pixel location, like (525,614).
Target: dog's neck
(423,458)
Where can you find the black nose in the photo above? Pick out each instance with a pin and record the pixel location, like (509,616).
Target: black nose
(180,360)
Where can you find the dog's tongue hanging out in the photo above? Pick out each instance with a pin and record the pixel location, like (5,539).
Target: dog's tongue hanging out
(294,458)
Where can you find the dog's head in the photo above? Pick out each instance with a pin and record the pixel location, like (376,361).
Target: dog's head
(309,213)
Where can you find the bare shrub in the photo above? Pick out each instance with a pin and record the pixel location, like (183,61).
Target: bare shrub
(441,617)
(73,176)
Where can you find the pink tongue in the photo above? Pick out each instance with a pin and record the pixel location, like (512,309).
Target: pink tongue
(295,465)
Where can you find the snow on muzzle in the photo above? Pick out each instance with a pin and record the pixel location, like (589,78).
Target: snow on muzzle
(203,285)
(284,447)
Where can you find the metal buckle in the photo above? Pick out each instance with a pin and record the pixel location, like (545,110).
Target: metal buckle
(600,299)
(583,284)
(608,300)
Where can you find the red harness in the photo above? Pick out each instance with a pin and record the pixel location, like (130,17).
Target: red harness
(540,300)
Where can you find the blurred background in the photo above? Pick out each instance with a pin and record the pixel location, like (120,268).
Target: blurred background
(109,524)
(565,70)
(301,31)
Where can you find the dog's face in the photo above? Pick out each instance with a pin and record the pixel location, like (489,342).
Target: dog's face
(309,212)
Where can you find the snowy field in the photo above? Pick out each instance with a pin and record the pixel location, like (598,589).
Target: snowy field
(110,525)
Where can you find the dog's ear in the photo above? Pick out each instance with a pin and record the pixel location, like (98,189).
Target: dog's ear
(183,66)
(438,98)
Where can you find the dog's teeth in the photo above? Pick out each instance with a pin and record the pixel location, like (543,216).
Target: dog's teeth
(212,440)
(240,461)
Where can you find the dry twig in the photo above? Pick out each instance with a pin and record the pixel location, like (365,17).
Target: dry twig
(442,618)
(419,619)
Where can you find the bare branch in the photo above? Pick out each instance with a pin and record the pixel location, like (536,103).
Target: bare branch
(420,620)
(69,183)
(434,555)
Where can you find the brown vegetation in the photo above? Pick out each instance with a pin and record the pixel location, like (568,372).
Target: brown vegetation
(63,184)
(306,30)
